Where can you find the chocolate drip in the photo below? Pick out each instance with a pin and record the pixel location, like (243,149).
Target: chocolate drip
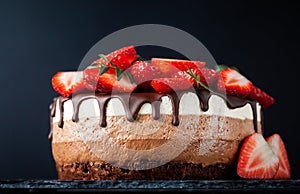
(132,103)
(203,96)
(61,100)
(175,99)
(231,101)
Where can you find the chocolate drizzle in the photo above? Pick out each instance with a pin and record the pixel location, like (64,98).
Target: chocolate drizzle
(132,103)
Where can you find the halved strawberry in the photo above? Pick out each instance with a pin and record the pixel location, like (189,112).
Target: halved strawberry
(277,145)
(122,58)
(264,99)
(107,82)
(207,76)
(179,64)
(169,85)
(256,159)
(234,83)
(66,83)
(143,73)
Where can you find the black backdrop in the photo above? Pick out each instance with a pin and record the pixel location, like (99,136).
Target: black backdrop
(39,38)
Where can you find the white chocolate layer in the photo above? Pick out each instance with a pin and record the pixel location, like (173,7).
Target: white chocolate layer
(189,105)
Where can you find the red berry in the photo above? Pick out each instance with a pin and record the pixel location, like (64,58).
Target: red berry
(107,82)
(143,73)
(256,159)
(262,97)
(67,83)
(234,83)
(169,85)
(122,58)
(277,145)
(180,65)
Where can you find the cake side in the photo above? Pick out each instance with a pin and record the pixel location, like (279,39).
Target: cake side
(210,146)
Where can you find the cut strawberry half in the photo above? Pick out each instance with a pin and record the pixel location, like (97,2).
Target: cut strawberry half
(67,83)
(107,82)
(143,73)
(234,83)
(169,85)
(256,159)
(264,99)
(207,76)
(277,145)
(122,58)
(180,65)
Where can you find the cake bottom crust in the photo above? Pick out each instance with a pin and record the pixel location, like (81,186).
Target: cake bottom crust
(169,171)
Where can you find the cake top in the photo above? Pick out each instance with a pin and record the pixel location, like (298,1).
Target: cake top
(124,71)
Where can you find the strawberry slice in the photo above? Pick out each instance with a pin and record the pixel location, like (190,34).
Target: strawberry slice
(143,73)
(122,58)
(180,65)
(256,159)
(169,85)
(232,82)
(264,99)
(107,82)
(207,76)
(277,145)
(67,83)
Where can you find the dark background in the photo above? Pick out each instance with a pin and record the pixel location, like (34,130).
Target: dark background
(39,38)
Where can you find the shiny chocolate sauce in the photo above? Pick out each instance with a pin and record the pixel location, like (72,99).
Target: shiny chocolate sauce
(132,103)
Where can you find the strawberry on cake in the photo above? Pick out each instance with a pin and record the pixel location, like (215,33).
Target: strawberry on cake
(123,118)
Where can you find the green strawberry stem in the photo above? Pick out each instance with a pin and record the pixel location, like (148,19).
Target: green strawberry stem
(197,78)
(119,72)
(103,69)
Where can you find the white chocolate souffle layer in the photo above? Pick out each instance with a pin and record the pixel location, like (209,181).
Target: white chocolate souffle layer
(189,105)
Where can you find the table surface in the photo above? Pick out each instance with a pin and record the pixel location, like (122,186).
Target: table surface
(178,186)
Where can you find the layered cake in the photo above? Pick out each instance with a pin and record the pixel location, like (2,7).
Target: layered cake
(123,118)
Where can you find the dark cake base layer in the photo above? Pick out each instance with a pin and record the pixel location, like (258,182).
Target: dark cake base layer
(169,171)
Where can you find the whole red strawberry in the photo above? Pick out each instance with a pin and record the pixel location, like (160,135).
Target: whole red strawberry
(122,58)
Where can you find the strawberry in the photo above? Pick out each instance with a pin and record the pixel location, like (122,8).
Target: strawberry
(143,73)
(262,97)
(122,58)
(207,76)
(232,82)
(256,159)
(67,83)
(168,85)
(178,64)
(277,145)
(107,82)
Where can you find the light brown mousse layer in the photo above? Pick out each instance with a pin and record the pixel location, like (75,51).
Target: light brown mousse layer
(208,143)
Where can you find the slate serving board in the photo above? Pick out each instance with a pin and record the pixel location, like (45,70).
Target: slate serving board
(178,186)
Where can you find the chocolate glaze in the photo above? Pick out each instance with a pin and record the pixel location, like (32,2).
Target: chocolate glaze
(132,103)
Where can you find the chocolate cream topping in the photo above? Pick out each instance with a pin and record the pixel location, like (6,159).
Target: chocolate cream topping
(132,103)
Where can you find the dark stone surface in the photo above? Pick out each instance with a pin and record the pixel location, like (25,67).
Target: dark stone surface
(178,186)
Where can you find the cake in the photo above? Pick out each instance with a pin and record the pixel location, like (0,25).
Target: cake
(123,118)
